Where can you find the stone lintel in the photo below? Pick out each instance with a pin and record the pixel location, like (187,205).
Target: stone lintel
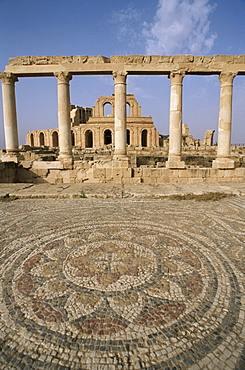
(133,64)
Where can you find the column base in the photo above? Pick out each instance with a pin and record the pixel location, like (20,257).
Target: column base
(66,160)
(223,163)
(120,161)
(175,163)
(11,156)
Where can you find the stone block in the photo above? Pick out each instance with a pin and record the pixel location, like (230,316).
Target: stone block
(25,164)
(223,58)
(148,180)
(100,173)
(239,172)
(40,165)
(175,164)
(126,172)
(135,180)
(66,176)
(109,173)
(223,163)
(203,173)
(54,177)
(229,173)
(146,172)
(183,173)
(193,172)
(173,173)
(121,162)
(40,172)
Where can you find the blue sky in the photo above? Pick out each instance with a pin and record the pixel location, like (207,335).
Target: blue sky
(116,27)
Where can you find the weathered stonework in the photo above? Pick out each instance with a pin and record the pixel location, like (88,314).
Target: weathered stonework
(92,128)
(121,67)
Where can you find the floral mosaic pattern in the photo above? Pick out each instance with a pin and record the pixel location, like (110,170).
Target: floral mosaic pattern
(123,293)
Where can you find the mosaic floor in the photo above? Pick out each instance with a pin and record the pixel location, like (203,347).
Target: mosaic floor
(122,284)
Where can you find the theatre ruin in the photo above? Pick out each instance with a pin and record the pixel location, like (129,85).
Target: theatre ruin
(90,146)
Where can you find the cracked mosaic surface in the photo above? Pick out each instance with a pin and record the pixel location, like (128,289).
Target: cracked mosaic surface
(122,284)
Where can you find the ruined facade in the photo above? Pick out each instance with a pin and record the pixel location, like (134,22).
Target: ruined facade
(93,128)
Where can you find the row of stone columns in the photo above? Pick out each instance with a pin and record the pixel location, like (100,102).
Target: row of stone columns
(175,122)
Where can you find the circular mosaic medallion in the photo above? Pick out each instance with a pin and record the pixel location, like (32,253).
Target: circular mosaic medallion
(114,288)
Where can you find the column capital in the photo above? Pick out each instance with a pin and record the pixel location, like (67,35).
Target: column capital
(120,77)
(177,76)
(226,78)
(8,78)
(63,77)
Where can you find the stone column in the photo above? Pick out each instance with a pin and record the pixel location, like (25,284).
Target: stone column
(9,112)
(120,114)
(225,116)
(65,152)
(175,121)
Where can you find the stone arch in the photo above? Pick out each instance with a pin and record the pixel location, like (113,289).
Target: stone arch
(107,109)
(107,137)
(72,138)
(41,139)
(128,136)
(89,139)
(32,139)
(55,139)
(144,137)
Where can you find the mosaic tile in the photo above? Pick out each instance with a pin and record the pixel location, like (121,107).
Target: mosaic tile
(122,284)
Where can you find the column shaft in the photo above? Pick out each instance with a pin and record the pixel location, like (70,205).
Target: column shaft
(120,113)
(64,115)
(225,117)
(175,121)
(9,112)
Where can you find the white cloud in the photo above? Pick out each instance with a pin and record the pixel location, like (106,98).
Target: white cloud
(127,23)
(180,26)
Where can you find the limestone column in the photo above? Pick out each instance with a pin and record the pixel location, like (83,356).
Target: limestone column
(175,121)
(9,112)
(65,152)
(120,114)
(225,117)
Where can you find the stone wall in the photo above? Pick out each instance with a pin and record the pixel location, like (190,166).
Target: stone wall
(111,171)
(8,172)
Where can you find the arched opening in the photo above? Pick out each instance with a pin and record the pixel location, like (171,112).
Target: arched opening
(144,138)
(32,139)
(41,139)
(107,137)
(88,139)
(128,109)
(107,110)
(55,139)
(128,137)
(72,138)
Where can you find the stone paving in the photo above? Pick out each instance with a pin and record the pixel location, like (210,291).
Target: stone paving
(116,191)
(122,284)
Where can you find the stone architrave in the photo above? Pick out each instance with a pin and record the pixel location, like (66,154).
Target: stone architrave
(65,147)
(223,159)
(120,114)
(9,111)
(175,121)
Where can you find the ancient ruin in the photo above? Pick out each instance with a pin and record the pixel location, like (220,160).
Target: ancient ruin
(120,163)
(92,128)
